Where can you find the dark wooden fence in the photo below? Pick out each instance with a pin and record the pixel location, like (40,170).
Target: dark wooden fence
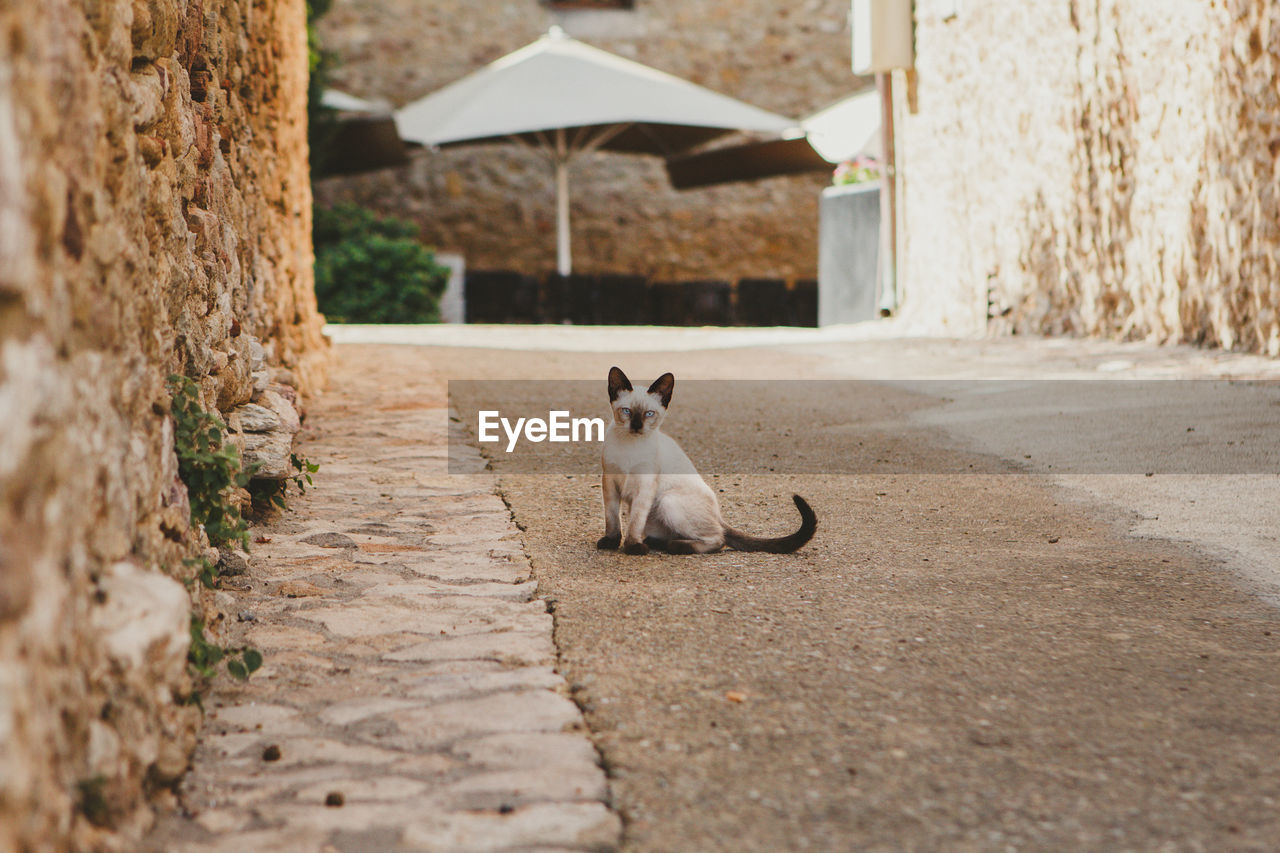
(508,297)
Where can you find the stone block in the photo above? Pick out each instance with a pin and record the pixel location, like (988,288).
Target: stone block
(512,711)
(267,454)
(556,783)
(257,418)
(142,620)
(514,648)
(526,751)
(576,826)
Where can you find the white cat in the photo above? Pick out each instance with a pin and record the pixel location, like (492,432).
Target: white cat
(669,506)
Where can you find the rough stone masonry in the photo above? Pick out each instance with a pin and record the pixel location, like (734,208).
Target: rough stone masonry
(1118,179)
(154,219)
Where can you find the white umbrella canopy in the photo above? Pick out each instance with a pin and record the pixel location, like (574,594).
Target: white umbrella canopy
(847,129)
(335,99)
(567,98)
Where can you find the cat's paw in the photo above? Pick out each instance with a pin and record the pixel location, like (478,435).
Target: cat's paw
(608,543)
(637,548)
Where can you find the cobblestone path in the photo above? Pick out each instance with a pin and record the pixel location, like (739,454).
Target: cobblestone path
(409,699)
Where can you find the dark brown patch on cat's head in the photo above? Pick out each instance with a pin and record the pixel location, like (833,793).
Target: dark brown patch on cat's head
(618,383)
(662,387)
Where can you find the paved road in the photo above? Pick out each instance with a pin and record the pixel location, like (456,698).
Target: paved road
(975,661)
(977,652)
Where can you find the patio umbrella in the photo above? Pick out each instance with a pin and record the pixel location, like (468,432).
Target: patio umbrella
(568,98)
(842,131)
(361,137)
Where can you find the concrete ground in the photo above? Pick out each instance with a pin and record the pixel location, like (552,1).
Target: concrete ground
(1040,654)
(1112,434)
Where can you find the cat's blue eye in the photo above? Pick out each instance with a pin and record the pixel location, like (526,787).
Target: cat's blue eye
(650,414)
(626,413)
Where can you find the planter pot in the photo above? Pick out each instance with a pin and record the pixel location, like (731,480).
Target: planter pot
(848,254)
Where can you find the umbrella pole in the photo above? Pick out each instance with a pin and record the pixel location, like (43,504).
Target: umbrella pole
(564,262)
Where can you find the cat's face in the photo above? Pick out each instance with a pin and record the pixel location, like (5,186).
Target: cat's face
(639,412)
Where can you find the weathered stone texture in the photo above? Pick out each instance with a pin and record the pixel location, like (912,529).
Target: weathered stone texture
(495,204)
(154,219)
(1099,168)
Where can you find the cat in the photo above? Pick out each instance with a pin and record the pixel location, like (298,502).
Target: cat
(669,506)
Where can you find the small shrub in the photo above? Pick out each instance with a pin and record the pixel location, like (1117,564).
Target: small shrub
(271,493)
(374,270)
(91,800)
(205,571)
(204,657)
(209,468)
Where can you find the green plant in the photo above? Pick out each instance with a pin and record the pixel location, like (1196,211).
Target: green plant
(205,571)
(305,468)
(371,269)
(91,800)
(268,493)
(205,656)
(209,468)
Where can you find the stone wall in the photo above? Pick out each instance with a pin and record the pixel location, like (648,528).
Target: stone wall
(1101,168)
(495,205)
(154,219)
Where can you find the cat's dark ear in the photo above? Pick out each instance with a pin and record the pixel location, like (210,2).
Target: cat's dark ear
(618,382)
(663,386)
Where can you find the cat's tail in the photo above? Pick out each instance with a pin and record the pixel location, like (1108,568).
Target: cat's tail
(783,544)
